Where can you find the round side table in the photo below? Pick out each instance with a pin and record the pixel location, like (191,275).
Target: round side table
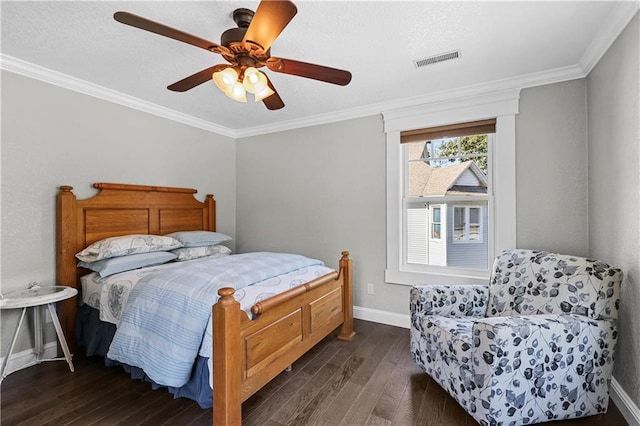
(35,297)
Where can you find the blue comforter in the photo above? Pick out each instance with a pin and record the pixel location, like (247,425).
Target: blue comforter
(166,322)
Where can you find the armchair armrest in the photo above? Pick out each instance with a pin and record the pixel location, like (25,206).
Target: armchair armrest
(449,300)
(563,358)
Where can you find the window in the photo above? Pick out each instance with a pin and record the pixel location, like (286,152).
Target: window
(436,227)
(467,224)
(446,215)
(447,172)
(458,224)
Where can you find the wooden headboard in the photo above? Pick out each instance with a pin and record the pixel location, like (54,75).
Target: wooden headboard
(119,209)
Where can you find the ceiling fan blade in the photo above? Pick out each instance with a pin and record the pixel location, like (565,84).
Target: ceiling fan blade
(268,22)
(313,71)
(196,79)
(163,30)
(274,101)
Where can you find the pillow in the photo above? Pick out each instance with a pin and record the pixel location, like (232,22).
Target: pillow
(199,238)
(189,253)
(126,245)
(113,265)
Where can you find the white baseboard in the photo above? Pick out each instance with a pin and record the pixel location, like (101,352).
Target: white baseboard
(382,317)
(27,357)
(627,407)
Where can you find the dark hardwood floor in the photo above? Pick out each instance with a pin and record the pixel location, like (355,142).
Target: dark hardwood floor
(368,381)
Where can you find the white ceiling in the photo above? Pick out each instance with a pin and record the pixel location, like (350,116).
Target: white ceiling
(502,44)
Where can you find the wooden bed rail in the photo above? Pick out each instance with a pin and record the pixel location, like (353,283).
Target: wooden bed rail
(263,306)
(247,354)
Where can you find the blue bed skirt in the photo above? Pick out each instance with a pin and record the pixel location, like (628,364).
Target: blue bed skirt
(96,336)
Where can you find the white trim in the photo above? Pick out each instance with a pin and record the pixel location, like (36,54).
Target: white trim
(614,24)
(503,105)
(629,410)
(382,317)
(467,223)
(27,358)
(452,110)
(36,72)
(515,83)
(431,222)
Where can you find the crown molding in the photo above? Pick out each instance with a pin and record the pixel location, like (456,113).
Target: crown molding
(37,72)
(28,69)
(529,80)
(611,28)
(466,108)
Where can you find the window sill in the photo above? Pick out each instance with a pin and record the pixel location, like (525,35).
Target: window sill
(454,277)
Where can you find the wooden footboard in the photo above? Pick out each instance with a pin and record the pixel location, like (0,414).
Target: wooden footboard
(249,353)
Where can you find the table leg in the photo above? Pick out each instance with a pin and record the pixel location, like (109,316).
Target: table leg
(37,332)
(13,344)
(63,342)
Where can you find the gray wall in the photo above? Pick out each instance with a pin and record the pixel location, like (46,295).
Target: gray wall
(321,189)
(551,172)
(318,191)
(52,136)
(614,188)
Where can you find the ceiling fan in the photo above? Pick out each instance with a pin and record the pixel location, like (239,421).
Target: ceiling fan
(246,49)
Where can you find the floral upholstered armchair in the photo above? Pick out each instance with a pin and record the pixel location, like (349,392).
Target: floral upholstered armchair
(534,345)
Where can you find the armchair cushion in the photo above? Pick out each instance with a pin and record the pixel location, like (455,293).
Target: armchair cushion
(449,300)
(526,282)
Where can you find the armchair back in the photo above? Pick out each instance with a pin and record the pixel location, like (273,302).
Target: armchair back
(529,282)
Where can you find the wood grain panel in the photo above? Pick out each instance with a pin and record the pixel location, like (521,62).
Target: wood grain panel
(325,308)
(272,341)
(174,220)
(104,223)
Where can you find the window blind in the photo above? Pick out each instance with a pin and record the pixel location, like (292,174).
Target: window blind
(449,131)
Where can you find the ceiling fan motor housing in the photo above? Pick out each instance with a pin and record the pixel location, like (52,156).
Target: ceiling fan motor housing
(242,17)
(232,35)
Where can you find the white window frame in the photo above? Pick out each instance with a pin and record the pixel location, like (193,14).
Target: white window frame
(431,222)
(503,106)
(467,224)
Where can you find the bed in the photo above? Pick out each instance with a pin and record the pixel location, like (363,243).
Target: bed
(247,352)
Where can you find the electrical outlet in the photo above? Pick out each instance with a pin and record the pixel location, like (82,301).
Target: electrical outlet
(369,288)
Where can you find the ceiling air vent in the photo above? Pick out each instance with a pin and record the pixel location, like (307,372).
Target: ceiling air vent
(419,63)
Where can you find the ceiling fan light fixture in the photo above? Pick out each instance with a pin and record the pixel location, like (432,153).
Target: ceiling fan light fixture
(264,93)
(237,93)
(226,79)
(254,81)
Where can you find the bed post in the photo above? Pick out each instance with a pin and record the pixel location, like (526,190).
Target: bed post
(346,271)
(66,272)
(211,212)
(227,360)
